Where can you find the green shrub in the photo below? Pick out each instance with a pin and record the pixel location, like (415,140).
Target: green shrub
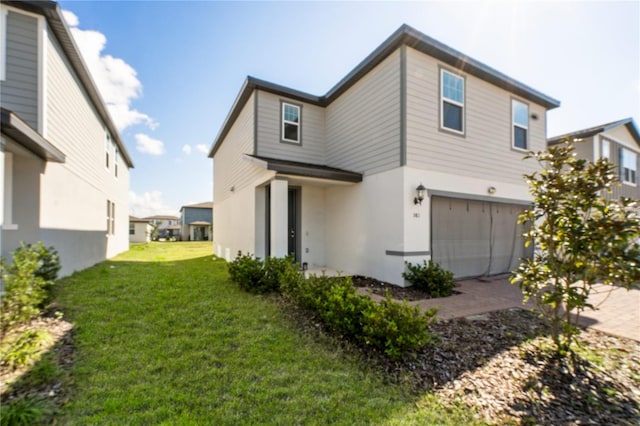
(49,265)
(25,292)
(431,278)
(246,271)
(257,276)
(388,326)
(24,411)
(396,328)
(24,349)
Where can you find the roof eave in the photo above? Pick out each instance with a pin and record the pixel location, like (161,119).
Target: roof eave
(52,12)
(16,128)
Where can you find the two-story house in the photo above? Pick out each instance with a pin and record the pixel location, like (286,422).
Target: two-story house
(64,171)
(619,142)
(416,154)
(196,220)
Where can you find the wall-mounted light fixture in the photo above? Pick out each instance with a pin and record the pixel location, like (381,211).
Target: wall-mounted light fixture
(491,190)
(232,189)
(419,195)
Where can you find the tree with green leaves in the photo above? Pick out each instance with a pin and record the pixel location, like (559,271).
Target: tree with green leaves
(581,239)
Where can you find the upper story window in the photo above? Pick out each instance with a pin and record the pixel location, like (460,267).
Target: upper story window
(107,148)
(451,101)
(606,150)
(115,160)
(290,123)
(628,166)
(520,124)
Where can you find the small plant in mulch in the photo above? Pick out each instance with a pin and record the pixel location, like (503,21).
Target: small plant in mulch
(431,278)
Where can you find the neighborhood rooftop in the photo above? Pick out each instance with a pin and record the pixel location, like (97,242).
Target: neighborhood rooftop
(205,205)
(405,35)
(590,131)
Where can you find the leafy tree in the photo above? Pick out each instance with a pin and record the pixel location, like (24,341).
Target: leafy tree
(581,239)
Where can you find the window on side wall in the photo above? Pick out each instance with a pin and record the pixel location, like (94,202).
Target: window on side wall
(606,150)
(520,124)
(115,160)
(290,123)
(628,166)
(107,149)
(132,228)
(451,101)
(111,213)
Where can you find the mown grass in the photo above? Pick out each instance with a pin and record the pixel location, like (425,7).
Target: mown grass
(163,337)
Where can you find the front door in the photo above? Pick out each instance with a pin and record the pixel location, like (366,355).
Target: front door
(293,223)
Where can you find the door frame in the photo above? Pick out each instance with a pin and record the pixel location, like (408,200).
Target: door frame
(297,200)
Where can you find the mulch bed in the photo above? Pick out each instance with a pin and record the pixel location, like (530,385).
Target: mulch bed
(381,288)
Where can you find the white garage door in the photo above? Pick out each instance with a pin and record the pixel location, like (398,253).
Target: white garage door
(475,238)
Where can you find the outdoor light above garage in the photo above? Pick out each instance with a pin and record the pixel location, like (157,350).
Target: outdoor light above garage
(419,194)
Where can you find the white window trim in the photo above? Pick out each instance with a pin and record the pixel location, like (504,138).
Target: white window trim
(7,220)
(514,125)
(452,102)
(284,121)
(622,168)
(3,42)
(107,150)
(116,154)
(604,141)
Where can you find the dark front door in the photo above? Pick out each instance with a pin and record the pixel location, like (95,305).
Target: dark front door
(293,222)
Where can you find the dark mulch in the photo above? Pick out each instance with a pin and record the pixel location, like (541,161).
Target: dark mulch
(381,288)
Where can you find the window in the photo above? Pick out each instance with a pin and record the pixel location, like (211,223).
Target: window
(111,221)
(520,123)
(628,166)
(107,148)
(606,150)
(451,101)
(132,228)
(115,160)
(290,123)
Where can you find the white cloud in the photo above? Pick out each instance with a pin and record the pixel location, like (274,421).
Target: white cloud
(149,145)
(148,204)
(202,148)
(117,81)
(186,149)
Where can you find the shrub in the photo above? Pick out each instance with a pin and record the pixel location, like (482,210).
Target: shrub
(388,326)
(49,262)
(396,328)
(23,349)
(257,276)
(431,278)
(25,411)
(246,271)
(25,291)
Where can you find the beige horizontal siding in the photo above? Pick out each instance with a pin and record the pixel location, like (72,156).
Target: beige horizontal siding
(485,151)
(312,148)
(19,91)
(363,124)
(621,138)
(229,167)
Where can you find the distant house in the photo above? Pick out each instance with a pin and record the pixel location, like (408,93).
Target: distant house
(196,221)
(619,142)
(64,171)
(416,154)
(166,225)
(139,230)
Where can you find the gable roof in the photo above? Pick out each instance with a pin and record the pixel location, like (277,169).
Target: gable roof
(137,219)
(591,131)
(52,12)
(205,205)
(405,35)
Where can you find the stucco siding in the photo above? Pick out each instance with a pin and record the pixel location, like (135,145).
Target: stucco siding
(363,124)
(230,169)
(486,148)
(19,91)
(312,148)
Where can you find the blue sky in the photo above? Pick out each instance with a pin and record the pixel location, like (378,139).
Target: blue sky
(171,70)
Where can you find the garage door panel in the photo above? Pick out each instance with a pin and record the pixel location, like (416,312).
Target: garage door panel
(474,238)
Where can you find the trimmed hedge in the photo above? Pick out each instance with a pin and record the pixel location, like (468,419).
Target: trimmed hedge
(387,326)
(431,278)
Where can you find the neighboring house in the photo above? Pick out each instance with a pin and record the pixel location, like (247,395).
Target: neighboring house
(196,220)
(619,142)
(166,225)
(65,170)
(139,230)
(334,179)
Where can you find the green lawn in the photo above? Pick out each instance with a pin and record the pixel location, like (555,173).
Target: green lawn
(163,337)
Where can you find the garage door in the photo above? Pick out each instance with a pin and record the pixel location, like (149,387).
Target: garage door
(475,238)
